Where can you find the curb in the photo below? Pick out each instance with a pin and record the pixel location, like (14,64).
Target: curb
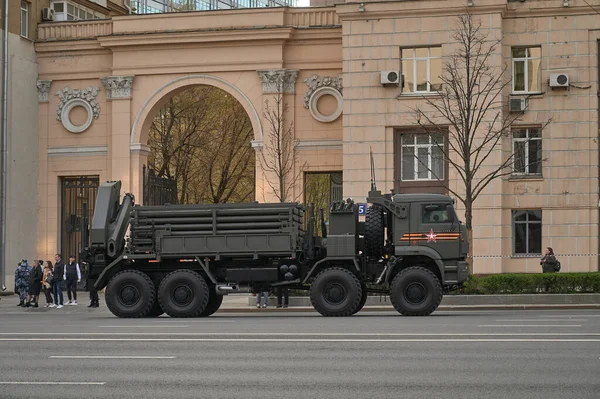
(440,308)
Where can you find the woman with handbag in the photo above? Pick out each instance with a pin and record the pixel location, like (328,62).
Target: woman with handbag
(47,284)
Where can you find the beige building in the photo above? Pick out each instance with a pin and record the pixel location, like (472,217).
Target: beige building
(22,129)
(102,81)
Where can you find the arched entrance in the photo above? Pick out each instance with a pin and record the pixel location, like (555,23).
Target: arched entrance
(199,149)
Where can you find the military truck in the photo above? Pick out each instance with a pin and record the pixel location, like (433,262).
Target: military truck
(181,259)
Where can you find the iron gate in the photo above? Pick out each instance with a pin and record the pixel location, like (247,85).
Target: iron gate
(158,190)
(77,207)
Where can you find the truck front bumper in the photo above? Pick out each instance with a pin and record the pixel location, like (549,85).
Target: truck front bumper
(462,271)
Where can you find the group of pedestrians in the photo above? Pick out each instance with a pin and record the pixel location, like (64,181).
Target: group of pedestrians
(31,280)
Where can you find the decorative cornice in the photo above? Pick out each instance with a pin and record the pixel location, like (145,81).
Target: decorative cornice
(320,144)
(315,82)
(98,150)
(43,87)
(118,87)
(279,80)
(138,148)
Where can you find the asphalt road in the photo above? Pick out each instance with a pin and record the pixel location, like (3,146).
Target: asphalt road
(488,354)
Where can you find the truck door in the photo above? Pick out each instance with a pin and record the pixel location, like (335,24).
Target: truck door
(439,228)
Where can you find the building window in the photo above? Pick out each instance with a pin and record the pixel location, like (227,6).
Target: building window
(24,19)
(421,69)
(527,232)
(66,11)
(527,150)
(527,69)
(422,157)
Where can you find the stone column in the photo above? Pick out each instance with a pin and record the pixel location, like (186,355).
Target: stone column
(275,83)
(44,115)
(118,92)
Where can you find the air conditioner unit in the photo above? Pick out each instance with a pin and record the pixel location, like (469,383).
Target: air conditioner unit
(518,104)
(558,80)
(48,14)
(390,78)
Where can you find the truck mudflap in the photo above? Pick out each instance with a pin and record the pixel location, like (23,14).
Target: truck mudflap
(463,271)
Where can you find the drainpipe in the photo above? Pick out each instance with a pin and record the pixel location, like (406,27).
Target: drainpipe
(4,145)
(126,5)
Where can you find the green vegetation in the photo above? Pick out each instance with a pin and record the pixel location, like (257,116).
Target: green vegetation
(547,283)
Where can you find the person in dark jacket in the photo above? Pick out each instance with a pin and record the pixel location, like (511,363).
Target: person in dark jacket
(22,275)
(35,284)
(72,275)
(549,263)
(59,270)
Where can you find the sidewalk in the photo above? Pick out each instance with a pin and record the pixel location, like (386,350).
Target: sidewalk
(235,303)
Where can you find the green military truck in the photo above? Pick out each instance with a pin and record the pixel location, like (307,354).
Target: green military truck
(181,259)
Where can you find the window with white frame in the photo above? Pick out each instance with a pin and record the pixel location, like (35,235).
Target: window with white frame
(527,69)
(421,69)
(24,19)
(67,11)
(527,151)
(527,232)
(422,157)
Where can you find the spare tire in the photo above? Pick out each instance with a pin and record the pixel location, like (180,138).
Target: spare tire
(374,232)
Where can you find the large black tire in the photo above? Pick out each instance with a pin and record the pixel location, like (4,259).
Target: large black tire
(374,232)
(363,299)
(130,294)
(214,303)
(183,293)
(156,310)
(416,291)
(336,292)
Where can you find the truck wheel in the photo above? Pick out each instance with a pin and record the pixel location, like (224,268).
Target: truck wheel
(336,292)
(416,291)
(183,293)
(214,303)
(130,294)
(156,310)
(363,299)
(374,234)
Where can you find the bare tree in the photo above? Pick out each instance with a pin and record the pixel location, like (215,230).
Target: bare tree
(201,139)
(278,159)
(470,112)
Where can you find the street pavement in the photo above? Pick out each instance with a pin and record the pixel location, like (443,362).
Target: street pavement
(78,352)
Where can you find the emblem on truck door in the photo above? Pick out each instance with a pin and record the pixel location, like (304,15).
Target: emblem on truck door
(431,236)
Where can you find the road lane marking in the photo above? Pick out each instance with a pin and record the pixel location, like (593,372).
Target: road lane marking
(538,320)
(293,334)
(112,357)
(167,320)
(570,315)
(530,325)
(155,326)
(49,383)
(285,340)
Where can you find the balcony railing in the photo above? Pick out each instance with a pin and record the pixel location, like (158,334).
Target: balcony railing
(74,30)
(77,30)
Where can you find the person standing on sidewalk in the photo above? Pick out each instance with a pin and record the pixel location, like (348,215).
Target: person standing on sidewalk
(47,285)
(283,291)
(72,275)
(35,284)
(22,281)
(59,269)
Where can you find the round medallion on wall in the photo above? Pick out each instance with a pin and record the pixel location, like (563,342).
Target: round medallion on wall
(71,107)
(323,115)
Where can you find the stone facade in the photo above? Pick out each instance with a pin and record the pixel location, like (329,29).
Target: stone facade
(327,63)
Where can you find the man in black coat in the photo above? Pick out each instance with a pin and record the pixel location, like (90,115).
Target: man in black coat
(59,270)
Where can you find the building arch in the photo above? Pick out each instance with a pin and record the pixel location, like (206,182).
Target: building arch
(158,98)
